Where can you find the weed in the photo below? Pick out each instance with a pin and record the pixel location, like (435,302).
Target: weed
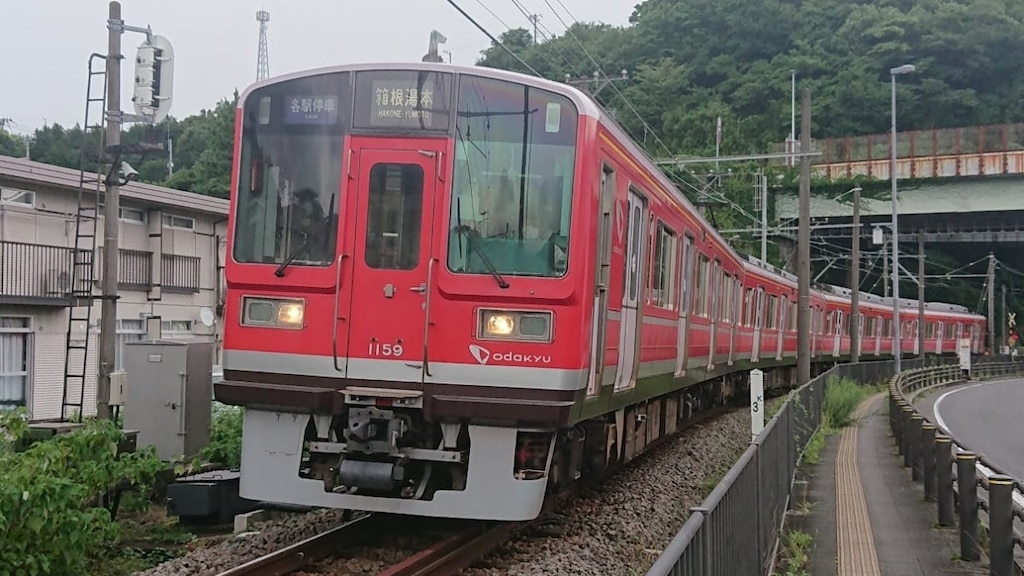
(794,554)
(842,396)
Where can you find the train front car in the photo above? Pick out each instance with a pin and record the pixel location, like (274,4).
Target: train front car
(404,299)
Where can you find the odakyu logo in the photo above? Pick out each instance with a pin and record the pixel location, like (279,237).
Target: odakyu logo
(483,355)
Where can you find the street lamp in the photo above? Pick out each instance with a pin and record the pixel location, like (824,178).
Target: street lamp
(896,328)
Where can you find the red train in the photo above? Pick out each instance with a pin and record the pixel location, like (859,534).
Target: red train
(450,288)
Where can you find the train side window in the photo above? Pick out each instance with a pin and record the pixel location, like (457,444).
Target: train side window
(663,294)
(700,301)
(394,216)
(685,298)
(770,316)
(725,314)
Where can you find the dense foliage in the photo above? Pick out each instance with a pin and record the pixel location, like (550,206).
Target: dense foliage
(50,518)
(692,61)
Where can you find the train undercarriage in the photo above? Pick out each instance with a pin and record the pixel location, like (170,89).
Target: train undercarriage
(381,454)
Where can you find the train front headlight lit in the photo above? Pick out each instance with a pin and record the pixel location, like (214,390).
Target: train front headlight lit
(290,313)
(273,312)
(527,325)
(497,324)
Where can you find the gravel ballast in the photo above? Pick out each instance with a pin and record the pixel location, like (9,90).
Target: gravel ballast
(271,536)
(621,526)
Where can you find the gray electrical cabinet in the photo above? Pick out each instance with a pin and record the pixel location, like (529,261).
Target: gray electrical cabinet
(168,386)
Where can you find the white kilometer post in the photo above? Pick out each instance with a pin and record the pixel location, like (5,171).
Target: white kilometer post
(756,403)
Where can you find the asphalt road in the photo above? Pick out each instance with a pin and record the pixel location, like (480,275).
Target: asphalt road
(987,417)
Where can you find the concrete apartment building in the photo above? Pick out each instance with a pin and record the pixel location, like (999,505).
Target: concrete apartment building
(170,267)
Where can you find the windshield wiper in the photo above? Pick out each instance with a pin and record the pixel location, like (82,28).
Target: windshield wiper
(291,257)
(465,232)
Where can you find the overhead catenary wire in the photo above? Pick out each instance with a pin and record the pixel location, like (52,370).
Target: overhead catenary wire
(493,38)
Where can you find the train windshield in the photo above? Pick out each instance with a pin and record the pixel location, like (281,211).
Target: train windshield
(515,151)
(289,180)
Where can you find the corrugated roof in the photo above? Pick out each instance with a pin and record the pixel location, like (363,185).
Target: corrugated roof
(60,177)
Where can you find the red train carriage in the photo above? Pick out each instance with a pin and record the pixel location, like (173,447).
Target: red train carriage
(424,261)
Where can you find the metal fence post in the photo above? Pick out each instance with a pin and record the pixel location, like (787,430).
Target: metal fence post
(944,478)
(967,489)
(916,459)
(898,420)
(1000,522)
(928,457)
(908,442)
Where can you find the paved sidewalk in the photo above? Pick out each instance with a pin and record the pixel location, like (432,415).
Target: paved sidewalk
(867,517)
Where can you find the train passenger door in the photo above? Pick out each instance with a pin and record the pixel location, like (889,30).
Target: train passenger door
(382,329)
(602,283)
(686,295)
(758,320)
(713,312)
(879,323)
(628,326)
(735,314)
(783,318)
(939,333)
(837,333)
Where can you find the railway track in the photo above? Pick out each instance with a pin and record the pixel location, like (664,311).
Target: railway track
(446,556)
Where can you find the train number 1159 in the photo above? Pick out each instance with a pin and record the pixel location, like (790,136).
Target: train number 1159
(386,349)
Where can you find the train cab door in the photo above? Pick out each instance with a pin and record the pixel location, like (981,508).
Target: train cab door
(628,325)
(387,281)
(685,298)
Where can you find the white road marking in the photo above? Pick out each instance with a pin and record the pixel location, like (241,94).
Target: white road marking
(984,470)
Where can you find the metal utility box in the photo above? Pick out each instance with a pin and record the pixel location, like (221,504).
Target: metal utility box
(167,395)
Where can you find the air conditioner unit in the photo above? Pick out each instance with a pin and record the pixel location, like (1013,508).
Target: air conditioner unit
(56,283)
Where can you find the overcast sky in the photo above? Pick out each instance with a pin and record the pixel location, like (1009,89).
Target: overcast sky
(46,43)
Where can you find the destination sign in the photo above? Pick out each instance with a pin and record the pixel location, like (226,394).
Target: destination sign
(402,99)
(309,109)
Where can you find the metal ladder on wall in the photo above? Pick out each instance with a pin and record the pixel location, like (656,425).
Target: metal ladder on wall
(83,256)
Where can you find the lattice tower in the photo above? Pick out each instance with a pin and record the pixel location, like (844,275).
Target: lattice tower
(263,58)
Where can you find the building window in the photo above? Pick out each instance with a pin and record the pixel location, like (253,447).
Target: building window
(131,330)
(14,354)
(172,221)
(132,215)
(176,328)
(17,197)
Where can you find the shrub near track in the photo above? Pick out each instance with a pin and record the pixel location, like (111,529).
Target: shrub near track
(51,519)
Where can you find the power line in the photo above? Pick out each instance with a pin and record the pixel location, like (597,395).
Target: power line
(493,39)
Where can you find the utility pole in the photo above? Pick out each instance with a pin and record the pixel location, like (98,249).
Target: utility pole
(855,281)
(534,18)
(920,294)
(990,284)
(1002,321)
(111,215)
(803,316)
(885,272)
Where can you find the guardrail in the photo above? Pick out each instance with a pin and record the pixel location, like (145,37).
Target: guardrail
(951,474)
(749,504)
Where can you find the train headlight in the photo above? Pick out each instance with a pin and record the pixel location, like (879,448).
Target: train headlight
(290,313)
(514,325)
(499,324)
(273,312)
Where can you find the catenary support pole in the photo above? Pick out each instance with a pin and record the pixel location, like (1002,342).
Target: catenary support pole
(855,281)
(990,284)
(111,216)
(803,321)
(920,294)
